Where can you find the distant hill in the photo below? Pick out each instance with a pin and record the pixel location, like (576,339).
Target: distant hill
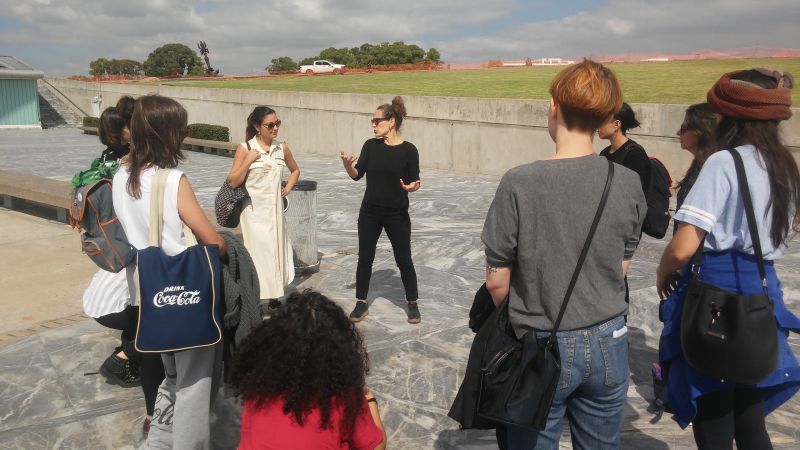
(749,52)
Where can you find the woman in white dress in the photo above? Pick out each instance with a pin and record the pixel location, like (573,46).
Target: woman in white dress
(258,164)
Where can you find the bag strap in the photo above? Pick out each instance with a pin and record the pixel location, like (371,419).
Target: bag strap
(157,211)
(750,213)
(752,225)
(584,252)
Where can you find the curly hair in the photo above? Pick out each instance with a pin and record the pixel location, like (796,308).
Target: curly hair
(309,355)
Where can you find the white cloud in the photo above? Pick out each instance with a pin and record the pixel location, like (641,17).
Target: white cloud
(625,26)
(619,26)
(244,36)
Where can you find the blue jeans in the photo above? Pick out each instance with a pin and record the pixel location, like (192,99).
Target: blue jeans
(592,390)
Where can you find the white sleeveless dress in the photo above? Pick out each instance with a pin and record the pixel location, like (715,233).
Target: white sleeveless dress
(262,222)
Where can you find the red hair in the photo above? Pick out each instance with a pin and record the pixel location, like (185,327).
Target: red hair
(587,93)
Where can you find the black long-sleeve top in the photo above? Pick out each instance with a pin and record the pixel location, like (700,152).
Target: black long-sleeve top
(115,153)
(385,165)
(632,156)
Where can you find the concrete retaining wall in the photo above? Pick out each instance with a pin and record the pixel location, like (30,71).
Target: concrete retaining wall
(464,135)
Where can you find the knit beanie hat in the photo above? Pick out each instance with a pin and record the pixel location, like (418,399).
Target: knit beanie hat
(745,100)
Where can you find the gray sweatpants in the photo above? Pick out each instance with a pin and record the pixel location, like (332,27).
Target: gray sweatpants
(181,419)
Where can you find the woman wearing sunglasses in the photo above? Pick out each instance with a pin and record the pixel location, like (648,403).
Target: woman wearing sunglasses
(697,135)
(392,168)
(258,164)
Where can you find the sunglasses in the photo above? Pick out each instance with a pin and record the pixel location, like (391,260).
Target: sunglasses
(377,120)
(271,125)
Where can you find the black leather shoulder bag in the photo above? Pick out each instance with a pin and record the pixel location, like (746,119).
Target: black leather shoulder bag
(519,376)
(725,334)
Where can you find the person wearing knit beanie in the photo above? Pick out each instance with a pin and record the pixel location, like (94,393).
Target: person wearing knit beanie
(752,103)
(741,99)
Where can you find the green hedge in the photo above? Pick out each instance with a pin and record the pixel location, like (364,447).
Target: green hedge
(209,132)
(91,122)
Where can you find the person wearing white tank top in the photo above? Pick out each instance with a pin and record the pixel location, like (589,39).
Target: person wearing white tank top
(185,397)
(107,299)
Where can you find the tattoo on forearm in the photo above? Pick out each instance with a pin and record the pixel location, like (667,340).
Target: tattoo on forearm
(490,269)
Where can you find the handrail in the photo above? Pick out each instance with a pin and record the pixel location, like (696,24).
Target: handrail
(64,97)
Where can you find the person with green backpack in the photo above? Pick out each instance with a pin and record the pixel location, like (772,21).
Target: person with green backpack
(107,299)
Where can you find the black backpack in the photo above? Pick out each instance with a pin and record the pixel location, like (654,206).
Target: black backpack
(657,196)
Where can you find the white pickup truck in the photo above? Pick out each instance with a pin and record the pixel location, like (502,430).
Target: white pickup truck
(322,66)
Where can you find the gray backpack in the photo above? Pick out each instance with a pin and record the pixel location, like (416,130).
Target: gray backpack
(91,211)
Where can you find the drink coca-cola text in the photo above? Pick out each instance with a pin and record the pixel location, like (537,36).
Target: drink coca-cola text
(176,296)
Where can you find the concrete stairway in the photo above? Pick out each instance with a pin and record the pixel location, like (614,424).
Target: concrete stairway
(54,113)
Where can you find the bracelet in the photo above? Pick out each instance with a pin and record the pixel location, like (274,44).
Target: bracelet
(372,399)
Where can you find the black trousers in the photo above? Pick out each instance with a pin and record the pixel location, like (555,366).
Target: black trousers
(371,221)
(150,367)
(727,415)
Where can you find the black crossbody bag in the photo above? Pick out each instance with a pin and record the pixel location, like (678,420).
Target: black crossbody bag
(724,334)
(519,376)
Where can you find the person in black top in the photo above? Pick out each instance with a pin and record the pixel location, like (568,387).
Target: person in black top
(114,134)
(392,168)
(623,150)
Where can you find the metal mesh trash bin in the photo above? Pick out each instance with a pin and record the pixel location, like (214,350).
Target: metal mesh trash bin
(301,223)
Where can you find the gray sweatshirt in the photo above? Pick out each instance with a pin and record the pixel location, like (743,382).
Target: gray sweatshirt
(537,224)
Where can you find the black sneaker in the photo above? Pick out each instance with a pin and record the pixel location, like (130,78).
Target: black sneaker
(413,313)
(359,312)
(121,372)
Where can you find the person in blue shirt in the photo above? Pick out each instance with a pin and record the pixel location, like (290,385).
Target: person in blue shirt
(751,103)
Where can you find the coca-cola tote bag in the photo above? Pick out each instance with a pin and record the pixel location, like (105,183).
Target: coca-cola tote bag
(179,296)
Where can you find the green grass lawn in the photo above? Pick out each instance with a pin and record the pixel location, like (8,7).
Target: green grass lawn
(678,82)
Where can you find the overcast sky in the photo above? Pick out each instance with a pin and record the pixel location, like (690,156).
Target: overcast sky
(60,37)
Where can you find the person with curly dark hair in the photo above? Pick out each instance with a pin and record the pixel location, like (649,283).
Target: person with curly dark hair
(301,375)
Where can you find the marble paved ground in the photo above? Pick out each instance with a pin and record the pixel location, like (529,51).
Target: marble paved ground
(52,399)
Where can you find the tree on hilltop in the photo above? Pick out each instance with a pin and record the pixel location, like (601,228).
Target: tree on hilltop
(172,60)
(380,54)
(308,61)
(99,67)
(338,56)
(103,66)
(433,56)
(125,67)
(283,64)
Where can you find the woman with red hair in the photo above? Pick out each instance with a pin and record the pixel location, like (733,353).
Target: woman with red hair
(534,232)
